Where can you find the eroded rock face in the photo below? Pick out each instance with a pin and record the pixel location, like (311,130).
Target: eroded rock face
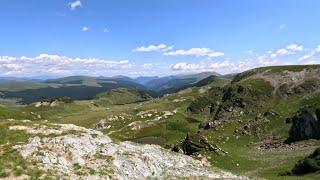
(304,126)
(89,154)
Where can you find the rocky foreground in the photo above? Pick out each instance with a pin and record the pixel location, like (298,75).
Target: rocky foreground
(72,152)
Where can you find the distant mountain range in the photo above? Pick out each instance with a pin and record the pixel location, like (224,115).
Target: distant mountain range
(170,84)
(86,87)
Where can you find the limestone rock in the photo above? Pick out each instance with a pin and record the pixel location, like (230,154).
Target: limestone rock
(89,154)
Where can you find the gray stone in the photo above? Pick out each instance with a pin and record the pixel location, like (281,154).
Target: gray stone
(304,126)
(125,160)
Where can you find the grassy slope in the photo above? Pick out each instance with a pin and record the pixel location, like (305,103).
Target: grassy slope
(174,128)
(172,84)
(75,87)
(260,98)
(120,96)
(252,161)
(17,86)
(242,150)
(274,69)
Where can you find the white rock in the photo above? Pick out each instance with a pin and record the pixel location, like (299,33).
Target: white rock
(124,160)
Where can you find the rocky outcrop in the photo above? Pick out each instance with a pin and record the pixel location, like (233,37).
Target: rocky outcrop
(53,102)
(304,126)
(196,142)
(89,154)
(318,114)
(309,164)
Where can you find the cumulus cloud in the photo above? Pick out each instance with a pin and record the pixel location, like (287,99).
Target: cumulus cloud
(46,65)
(74,5)
(295,47)
(55,65)
(85,29)
(153,48)
(288,50)
(105,30)
(225,66)
(198,52)
(183,66)
(311,55)
(270,58)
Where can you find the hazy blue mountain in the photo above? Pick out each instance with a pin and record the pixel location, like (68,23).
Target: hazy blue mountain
(144,80)
(170,84)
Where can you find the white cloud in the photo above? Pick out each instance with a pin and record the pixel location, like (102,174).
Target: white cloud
(74,5)
(55,65)
(225,66)
(270,58)
(288,50)
(142,73)
(183,66)
(295,47)
(282,26)
(150,65)
(85,29)
(14,67)
(311,55)
(153,48)
(45,65)
(105,30)
(198,52)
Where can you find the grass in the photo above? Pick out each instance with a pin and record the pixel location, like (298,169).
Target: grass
(11,162)
(273,69)
(174,128)
(15,113)
(120,96)
(17,86)
(243,156)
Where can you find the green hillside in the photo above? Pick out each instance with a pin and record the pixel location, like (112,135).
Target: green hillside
(75,87)
(121,96)
(23,85)
(251,112)
(240,126)
(172,84)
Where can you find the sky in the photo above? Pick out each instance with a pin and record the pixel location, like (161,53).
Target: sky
(56,38)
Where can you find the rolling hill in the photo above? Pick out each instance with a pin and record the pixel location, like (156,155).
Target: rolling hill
(121,96)
(171,84)
(86,87)
(75,87)
(263,124)
(260,110)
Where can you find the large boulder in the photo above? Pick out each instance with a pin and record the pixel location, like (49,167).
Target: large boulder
(196,142)
(318,114)
(304,126)
(65,151)
(309,164)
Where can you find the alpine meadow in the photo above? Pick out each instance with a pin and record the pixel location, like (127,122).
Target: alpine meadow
(139,89)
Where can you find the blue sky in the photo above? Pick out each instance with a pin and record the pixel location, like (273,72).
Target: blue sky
(153,37)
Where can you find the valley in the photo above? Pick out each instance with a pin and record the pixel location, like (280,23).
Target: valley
(258,124)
